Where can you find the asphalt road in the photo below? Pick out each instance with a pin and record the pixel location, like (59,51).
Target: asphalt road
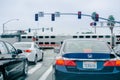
(42,70)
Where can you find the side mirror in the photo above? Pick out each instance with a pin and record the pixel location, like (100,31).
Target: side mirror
(19,51)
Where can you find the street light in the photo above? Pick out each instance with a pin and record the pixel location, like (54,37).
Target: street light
(6,23)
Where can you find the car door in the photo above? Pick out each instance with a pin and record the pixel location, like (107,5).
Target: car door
(15,66)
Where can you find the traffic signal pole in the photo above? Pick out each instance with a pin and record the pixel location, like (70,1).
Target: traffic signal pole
(112,36)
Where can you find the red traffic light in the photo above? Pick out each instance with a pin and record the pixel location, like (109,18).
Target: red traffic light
(97,17)
(93,24)
(79,14)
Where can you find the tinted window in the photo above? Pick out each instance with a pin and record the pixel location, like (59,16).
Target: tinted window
(52,42)
(86,46)
(117,42)
(118,36)
(46,42)
(3,49)
(52,36)
(11,48)
(46,36)
(40,36)
(74,36)
(22,45)
(81,36)
(94,36)
(29,36)
(87,36)
(100,36)
(23,36)
(40,42)
(107,36)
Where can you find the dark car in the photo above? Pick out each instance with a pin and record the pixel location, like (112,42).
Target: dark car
(86,60)
(12,63)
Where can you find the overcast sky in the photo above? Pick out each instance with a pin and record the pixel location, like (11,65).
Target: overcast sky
(24,10)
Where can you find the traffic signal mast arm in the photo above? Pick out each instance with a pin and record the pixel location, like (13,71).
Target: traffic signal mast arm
(78,14)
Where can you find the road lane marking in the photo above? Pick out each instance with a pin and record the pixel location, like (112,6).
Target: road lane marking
(46,74)
(32,70)
(50,58)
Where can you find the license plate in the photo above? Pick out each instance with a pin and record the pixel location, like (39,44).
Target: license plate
(90,65)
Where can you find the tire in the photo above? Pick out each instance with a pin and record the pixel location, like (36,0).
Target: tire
(1,76)
(35,60)
(25,70)
(42,57)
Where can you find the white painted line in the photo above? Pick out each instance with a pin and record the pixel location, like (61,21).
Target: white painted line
(50,58)
(46,74)
(32,70)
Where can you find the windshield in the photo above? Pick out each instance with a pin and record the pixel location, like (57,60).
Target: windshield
(80,46)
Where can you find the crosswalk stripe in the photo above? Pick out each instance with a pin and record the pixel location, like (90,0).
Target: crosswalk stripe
(37,66)
(46,74)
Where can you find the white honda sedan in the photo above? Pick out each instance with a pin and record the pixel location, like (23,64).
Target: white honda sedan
(31,50)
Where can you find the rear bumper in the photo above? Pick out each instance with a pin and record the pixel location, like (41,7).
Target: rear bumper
(70,76)
(65,75)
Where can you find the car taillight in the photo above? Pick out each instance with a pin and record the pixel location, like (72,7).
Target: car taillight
(118,63)
(62,62)
(28,51)
(112,63)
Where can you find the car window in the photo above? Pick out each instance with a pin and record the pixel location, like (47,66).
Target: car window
(22,45)
(3,49)
(11,48)
(85,46)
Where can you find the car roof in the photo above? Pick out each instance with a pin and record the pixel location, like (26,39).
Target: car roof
(24,43)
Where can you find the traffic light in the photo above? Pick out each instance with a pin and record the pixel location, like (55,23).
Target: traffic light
(29,30)
(97,17)
(51,29)
(52,17)
(93,24)
(111,21)
(41,14)
(79,15)
(36,17)
(43,29)
(57,14)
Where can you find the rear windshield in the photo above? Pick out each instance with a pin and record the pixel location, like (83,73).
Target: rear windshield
(80,46)
(21,46)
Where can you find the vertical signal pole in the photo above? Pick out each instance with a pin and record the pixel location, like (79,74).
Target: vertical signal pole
(111,23)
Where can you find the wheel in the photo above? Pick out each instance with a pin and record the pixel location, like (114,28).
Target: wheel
(35,60)
(42,57)
(25,70)
(1,76)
